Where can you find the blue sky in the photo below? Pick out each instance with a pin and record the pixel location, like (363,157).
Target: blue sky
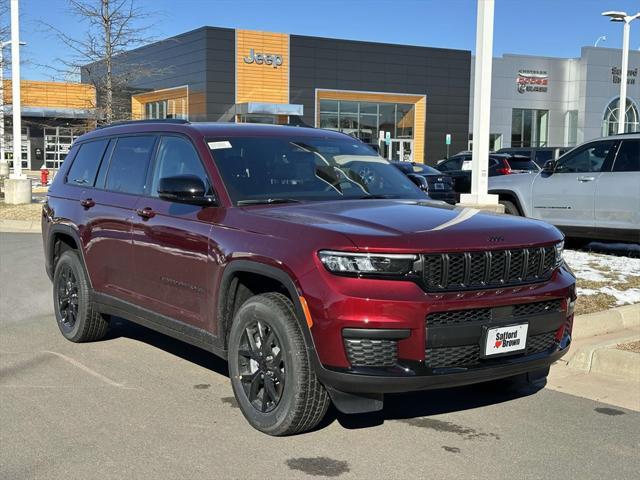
(535,27)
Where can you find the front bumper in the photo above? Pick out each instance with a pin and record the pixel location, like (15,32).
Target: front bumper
(398,311)
(364,382)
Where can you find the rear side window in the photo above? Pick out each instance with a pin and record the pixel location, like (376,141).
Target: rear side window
(628,158)
(86,162)
(543,155)
(522,165)
(452,164)
(129,164)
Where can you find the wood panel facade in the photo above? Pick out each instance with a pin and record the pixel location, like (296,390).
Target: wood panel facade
(258,77)
(53,94)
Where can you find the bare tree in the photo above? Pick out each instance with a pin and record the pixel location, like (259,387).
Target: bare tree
(5,27)
(113,29)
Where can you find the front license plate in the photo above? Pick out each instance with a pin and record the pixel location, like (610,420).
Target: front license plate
(439,186)
(504,340)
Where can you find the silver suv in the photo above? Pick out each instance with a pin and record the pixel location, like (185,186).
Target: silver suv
(592,191)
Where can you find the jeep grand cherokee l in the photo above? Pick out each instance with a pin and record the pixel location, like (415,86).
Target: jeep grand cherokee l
(316,268)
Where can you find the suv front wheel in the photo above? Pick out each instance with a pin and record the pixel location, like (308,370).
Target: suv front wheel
(270,369)
(77,319)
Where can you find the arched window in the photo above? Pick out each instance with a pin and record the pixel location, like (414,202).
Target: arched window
(611,116)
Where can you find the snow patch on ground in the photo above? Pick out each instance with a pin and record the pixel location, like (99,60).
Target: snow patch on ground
(623,297)
(612,270)
(598,267)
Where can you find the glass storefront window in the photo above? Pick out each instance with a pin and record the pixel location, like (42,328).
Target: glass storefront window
(387,118)
(404,121)
(172,108)
(57,142)
(572,127)
(365,120)
(529,128)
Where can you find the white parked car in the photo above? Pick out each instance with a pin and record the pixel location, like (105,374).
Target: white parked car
(592,191)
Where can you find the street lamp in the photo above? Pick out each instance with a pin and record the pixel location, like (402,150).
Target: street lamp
(2,47)
(600,38)
(622,104)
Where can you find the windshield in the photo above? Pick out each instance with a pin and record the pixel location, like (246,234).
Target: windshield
(276,169)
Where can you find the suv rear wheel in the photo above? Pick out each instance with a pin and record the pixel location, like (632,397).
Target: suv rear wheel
(77,319)
(270,369)
(510,208)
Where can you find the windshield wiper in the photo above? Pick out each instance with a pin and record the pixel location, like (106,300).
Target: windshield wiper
(266,201)
(377,196)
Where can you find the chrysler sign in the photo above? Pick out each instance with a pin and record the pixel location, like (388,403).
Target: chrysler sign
(263,58)
(532,81)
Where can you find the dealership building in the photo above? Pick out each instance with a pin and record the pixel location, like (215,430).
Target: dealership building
(410,96)
(545,101)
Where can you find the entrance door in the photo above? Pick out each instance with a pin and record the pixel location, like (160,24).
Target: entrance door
(400,150)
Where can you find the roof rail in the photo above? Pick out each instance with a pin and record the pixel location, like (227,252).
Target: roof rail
(137,122)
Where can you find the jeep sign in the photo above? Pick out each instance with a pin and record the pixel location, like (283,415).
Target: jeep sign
(263,58)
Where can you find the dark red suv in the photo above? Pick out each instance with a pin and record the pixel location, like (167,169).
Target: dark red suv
(316,268)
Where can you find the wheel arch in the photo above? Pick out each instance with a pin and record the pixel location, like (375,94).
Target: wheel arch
(511,196)
(228,301)
(62,238)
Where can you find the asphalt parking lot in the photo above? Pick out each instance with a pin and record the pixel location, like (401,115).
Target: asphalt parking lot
(140,405)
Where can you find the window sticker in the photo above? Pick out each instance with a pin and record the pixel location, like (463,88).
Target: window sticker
(219,145)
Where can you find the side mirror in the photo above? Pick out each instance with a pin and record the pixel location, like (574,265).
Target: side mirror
(550,166)
(184,189)
(419,181)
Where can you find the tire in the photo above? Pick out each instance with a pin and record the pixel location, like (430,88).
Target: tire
(510,208)
(76,316)
(292,400)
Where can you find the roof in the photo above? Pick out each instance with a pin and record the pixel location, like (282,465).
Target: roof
(212,129)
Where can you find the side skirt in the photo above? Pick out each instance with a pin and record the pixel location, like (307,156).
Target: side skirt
(160,323)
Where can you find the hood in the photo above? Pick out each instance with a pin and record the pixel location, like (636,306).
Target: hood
(406,225)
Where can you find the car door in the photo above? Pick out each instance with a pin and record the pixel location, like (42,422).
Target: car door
(566,197)
(174,277)
(109,210)
(617,204)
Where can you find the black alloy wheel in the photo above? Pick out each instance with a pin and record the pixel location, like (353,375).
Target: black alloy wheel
(261,366)
(67,297)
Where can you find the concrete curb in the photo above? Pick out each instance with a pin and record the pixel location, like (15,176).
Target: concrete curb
(602,356)
(608,321)
(20,226)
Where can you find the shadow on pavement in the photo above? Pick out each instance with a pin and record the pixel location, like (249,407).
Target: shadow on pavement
(123,328)
(404,406)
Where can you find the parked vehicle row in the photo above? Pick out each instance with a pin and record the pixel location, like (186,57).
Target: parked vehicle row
(312,265)
(437,185)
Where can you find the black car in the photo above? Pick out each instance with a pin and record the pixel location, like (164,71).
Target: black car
(499,164)
(437,185)
(540,155)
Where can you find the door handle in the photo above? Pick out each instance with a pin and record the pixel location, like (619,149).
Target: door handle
(146,212)
(586,179)
(87,203)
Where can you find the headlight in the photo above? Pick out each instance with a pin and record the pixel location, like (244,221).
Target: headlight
(559,249)
(358,264)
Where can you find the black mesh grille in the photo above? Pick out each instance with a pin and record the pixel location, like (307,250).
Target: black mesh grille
(371,353)
(477,269)
(526,309)
(459,316)
(484,314)
(516,264)
(464,271)
(468,356)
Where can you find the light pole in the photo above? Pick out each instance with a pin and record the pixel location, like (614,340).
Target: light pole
(600,38)
(2,47)
(479,198)
(622,104)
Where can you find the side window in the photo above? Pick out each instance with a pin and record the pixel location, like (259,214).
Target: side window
(628,158)
(177,156)
(588,158)
(85,165)
(542,156)
(129,163)
(453,163)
